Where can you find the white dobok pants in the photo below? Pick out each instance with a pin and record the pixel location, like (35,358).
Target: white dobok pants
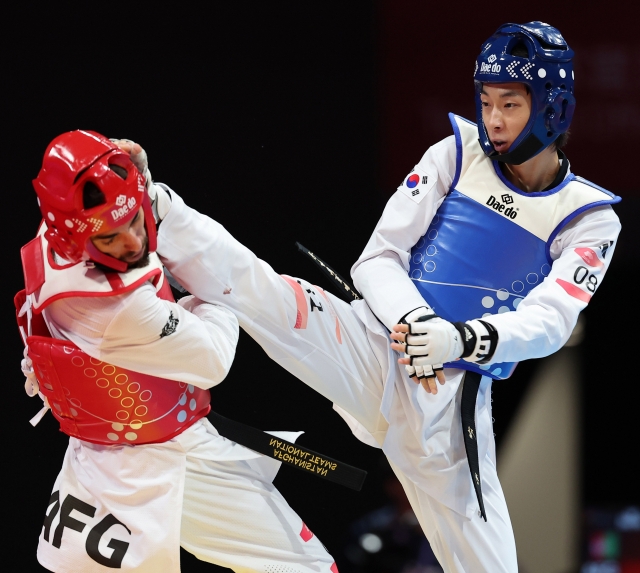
(130,508)
(342,351)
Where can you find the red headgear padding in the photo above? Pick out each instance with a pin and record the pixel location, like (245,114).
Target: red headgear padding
(72,160)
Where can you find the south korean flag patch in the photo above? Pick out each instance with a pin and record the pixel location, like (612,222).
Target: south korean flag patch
(417,185)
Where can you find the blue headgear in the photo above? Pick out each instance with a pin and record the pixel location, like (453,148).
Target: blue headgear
(548,72)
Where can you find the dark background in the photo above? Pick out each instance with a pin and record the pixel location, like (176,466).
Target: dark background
(296,121)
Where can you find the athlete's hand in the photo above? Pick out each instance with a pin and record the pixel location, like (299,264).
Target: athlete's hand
(128,146)
(138,157)
(160,200)
(425,374)
(427,341)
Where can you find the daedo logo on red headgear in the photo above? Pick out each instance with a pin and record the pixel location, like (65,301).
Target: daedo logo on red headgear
(413,180)
(124,207)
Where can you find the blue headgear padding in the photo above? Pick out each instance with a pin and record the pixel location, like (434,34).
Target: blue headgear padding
(547,70)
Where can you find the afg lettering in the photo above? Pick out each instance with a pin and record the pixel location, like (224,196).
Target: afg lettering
(96,533)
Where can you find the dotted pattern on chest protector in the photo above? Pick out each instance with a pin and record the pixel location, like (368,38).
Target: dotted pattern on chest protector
(281,569)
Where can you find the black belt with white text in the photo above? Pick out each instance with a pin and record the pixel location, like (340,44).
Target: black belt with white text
(470,387)
(288,453)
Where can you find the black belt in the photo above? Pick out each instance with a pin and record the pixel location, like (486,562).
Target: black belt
(470,386)
(345,291)
(292,454)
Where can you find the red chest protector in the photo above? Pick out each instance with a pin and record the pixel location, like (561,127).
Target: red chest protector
(96,401)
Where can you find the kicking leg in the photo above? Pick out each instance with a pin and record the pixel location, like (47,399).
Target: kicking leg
(312,334)
(464,545)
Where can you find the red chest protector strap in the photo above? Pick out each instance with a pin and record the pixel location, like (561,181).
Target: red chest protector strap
(103,403)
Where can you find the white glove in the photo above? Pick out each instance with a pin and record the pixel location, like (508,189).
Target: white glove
(430,343)
(160,201)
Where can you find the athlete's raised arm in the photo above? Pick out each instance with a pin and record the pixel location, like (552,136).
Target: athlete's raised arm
(381,272)
(189,341)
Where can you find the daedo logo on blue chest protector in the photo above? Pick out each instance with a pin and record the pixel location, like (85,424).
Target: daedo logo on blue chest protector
(501,207)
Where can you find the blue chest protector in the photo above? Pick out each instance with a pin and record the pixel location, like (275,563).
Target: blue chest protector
(488,245)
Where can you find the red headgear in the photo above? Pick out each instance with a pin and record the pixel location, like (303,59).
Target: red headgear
(72,160)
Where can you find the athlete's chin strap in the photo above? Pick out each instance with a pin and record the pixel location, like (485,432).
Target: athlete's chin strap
(31,384)
(527,149)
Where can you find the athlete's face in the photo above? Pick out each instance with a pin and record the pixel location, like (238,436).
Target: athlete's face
(505,112)
(128,243)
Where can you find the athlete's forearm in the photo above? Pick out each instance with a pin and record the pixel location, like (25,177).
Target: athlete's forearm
(385,285)
(381,272)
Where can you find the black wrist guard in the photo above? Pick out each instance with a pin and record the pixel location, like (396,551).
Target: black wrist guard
(468,337)
(492,341)
(483,348)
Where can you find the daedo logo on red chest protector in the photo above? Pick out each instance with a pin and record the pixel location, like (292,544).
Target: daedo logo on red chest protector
(501,207)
